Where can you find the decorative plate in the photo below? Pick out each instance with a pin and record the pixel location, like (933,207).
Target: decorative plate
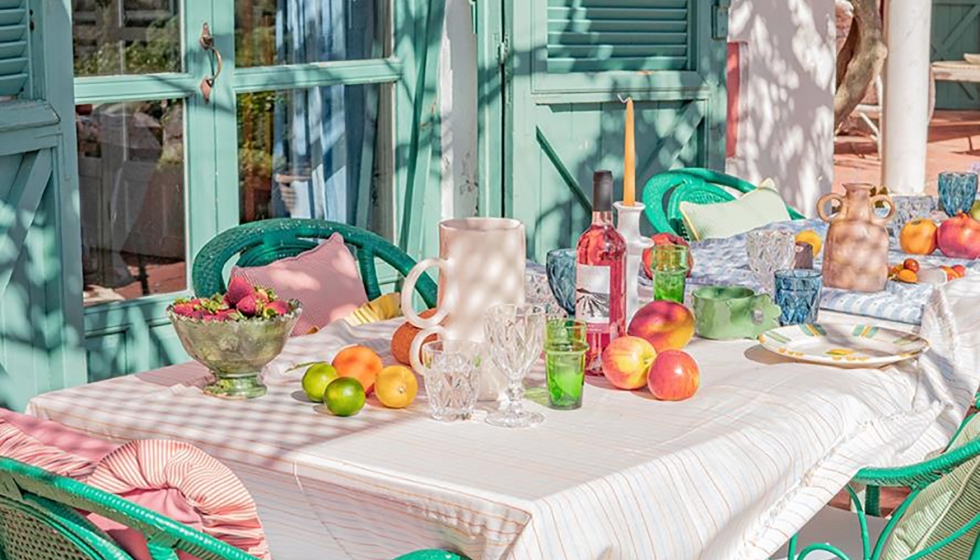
(843,345)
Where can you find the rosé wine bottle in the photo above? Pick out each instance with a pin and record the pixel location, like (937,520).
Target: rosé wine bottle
(600,285)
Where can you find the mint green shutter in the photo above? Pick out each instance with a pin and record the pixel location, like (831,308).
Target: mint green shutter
(566,62)
(40,265)
(955,32)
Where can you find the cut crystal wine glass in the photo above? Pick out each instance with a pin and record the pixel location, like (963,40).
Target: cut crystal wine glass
(769,251)
(515,339)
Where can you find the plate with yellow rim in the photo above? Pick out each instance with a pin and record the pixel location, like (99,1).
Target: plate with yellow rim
(843,345)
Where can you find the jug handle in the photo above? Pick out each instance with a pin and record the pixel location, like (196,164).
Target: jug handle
(823,201)
(891,206)
(416,349)
(447,296)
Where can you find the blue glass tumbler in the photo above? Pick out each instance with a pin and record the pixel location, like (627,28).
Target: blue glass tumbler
(957,192)
(798,295)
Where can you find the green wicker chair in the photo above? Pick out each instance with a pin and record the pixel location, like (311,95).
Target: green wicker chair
(40,520)
(263,242)
(917,478)
(664,192)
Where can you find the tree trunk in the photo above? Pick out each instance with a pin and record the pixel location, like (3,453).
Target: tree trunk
(860,60)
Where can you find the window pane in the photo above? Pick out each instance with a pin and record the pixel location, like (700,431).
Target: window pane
(126,36)
(273,32)
(310,153)
(131,180)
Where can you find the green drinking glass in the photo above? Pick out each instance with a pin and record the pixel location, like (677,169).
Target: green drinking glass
(669,266)
(564,359)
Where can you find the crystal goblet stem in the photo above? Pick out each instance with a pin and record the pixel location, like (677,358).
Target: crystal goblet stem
(515,336)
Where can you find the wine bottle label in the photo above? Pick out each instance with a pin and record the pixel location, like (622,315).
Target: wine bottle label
(592,293)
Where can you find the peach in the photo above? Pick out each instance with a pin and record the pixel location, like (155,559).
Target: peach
(626,361)
(359,362)
(666,325)
(674,376)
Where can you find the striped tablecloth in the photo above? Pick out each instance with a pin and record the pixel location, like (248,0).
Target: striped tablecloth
(725,262)
(730,473)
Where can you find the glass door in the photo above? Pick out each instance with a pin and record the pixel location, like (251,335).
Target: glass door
(193,117)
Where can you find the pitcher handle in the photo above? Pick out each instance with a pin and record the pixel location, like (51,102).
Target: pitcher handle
(891,206)
(823,201)
(447,299)
(416,350)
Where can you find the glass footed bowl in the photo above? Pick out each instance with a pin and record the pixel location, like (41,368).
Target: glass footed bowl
(235,351)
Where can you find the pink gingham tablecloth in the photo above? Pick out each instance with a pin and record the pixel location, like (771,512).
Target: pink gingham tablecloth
(730,473)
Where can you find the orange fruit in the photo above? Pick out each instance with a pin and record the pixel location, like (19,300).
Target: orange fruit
(811,237)
(908,276)
(401,341)
(950,273)
(359,362)
(396,387)
(918,237)
(960,270)
(911,264)
(895,270)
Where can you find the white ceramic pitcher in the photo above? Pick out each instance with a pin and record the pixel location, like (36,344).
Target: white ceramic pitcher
(481,263)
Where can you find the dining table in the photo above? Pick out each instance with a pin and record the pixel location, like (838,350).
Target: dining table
(731,473)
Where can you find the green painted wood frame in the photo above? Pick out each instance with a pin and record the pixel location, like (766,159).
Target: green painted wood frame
(135,335)
(40,261)
(560,124)
(955,32)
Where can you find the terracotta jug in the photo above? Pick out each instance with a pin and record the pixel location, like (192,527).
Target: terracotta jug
(856,250)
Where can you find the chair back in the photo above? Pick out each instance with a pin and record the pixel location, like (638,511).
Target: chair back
(664,192)
(263,242)
(40,520)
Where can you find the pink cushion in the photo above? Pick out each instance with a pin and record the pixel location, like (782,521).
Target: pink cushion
(50,445)
(324,279)
(213,499)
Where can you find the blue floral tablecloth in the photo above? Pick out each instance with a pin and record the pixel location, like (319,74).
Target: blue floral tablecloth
(725,262)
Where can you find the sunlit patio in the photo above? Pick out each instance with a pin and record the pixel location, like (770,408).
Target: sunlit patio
(489,279)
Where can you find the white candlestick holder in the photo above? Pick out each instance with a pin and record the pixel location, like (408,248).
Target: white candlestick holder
(628,225)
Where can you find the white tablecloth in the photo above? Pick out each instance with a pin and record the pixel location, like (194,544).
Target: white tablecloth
(730,473)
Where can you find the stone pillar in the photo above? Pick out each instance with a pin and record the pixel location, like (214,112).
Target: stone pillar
(905,118)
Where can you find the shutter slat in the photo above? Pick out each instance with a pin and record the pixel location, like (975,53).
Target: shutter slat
(14,63)
(607,65)
(12,50)
(617,25)
(10,33)
(13,84)
(585,14)
(12,16)
(597,35)
(617,38)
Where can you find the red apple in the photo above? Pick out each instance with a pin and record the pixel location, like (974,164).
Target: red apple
(674,376)
(665,239)
(666,325)
(626,362)
(959,237)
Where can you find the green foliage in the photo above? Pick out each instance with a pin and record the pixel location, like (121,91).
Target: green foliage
(160,52)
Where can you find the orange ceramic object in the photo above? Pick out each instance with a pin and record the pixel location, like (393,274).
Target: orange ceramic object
(359,362)
(918,237)
(856,249)
(401,341)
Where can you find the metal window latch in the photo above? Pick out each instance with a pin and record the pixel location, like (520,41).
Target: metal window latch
(207,43)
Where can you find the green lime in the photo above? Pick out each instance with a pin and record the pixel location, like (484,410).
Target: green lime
(316,379)
(344,396)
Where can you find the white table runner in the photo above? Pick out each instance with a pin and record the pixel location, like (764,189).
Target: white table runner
(730,473)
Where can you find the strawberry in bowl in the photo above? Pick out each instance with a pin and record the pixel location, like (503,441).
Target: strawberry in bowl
(235,335)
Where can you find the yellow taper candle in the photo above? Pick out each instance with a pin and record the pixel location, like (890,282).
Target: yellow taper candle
(629,158)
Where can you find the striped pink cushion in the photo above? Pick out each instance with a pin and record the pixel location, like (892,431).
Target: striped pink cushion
(226,510)
(49,445)
(324,279)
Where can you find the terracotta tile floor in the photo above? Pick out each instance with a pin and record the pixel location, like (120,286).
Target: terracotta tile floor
(954,145)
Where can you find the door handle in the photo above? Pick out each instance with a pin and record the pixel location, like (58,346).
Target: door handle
(207,43)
